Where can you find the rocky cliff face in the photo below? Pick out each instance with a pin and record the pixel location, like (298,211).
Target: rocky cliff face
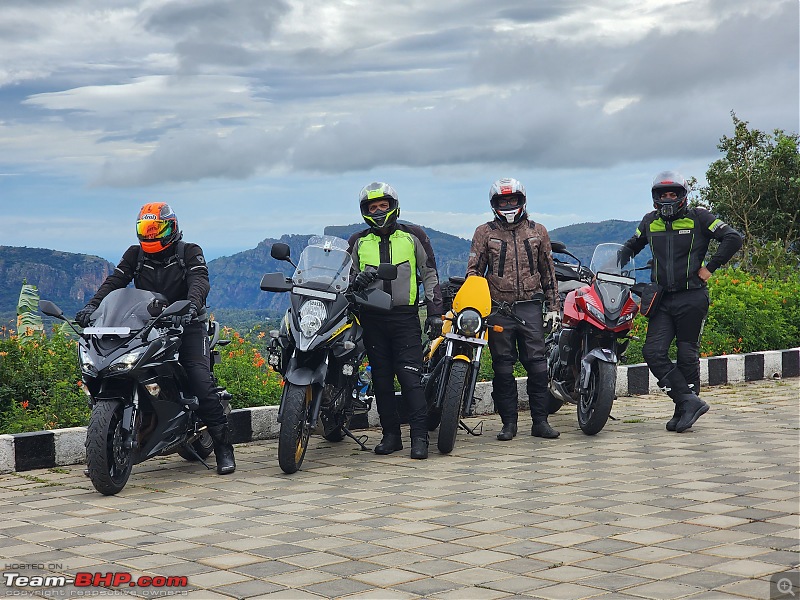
(67,279)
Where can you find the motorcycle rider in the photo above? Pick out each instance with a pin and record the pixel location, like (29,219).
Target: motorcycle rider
(678,237)
(163,263)
(514,255)
(393,340)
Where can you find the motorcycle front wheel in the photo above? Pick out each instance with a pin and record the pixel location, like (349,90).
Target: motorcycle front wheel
(109,462)
(452,404)
(295,427)
(595,408)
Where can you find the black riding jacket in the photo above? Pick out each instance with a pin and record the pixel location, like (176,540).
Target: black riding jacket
(679,247)
(162,273)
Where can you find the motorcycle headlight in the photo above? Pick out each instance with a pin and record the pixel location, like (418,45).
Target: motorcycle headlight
(312,315)
(596,312)
(469,322)
(127,362)
(87,364)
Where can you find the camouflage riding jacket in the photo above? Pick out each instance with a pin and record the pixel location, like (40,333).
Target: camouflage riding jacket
(516,260)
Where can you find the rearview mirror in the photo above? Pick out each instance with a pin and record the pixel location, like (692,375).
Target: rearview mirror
(558,246)
(280,251)
(387,272)
(50,309)
(179,307)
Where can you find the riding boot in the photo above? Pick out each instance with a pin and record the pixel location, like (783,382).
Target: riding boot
(419,447)
(508,432)
(538,398)
(223,449)
(391,442)
(676,416)
(690,406)
(673,422)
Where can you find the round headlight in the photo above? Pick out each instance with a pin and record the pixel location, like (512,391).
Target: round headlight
(469,322)
(312,314)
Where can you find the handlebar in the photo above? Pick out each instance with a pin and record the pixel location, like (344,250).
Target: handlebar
(504,308)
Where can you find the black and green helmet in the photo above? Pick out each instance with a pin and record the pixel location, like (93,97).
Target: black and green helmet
(380,220)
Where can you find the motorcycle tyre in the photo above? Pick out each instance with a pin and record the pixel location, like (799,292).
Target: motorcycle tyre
(602,385)
(109,464)
(452,405)
(336,434)
(295,429)
(203,445)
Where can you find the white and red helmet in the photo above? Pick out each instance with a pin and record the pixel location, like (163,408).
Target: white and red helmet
(508,200)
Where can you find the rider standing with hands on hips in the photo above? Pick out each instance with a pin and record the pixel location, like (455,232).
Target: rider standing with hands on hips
(393,340)
(678,237)
(162,263)
(514,255)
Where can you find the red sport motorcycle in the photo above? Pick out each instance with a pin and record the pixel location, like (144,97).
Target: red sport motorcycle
(597,318)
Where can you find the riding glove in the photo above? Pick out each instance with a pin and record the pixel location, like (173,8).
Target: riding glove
(552,320)
(433,326)
(84,314)
(363,279)
(187,318)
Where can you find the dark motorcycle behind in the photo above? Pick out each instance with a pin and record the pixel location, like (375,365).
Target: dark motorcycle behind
(597,318)
(136,387)
(319,347)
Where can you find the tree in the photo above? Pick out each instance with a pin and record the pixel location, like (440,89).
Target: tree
(755,188)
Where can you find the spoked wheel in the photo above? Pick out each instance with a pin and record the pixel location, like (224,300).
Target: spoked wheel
(595,407)
(452,405)
(203,446)
(295,427)
(109,462)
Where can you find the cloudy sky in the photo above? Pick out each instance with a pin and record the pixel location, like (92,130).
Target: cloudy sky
(254,118)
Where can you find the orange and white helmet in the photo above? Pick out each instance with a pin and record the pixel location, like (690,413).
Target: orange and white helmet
(156,227)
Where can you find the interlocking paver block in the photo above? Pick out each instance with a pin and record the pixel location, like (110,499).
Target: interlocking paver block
(633,512)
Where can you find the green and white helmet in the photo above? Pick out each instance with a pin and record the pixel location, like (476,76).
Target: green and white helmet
(380,220)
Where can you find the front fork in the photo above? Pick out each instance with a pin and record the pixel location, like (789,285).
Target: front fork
(444,377)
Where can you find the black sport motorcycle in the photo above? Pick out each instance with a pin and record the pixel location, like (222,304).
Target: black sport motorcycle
(319,348)
(136,387)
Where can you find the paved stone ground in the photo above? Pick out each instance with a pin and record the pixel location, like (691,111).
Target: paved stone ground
(634,512)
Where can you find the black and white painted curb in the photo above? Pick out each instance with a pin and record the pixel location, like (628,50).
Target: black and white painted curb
(47,449)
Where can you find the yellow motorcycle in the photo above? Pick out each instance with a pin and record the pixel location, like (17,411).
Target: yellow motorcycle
(452,360)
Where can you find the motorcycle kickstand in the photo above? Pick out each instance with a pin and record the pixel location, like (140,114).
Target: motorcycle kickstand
(358,440)
(466,428)
(196,455)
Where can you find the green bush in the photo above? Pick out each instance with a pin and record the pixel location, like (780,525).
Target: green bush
(244,373)
(40,383)
(746,315)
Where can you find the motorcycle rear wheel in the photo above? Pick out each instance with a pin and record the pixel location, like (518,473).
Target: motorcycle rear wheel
(203,445)
(295,427)
(109,462)
(452,405)
(595,408)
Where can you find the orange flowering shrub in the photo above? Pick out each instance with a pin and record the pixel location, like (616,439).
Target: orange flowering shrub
(245,373)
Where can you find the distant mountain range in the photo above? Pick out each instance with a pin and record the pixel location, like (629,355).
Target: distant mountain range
(70,280)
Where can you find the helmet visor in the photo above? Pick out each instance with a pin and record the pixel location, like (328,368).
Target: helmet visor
(154,229)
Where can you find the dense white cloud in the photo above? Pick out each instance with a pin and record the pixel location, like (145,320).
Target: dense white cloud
(177,97)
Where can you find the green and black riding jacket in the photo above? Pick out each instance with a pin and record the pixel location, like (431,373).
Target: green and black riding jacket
(679,247)
(408,247)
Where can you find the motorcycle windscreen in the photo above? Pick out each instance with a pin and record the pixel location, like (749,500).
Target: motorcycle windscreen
(606,259)
(474,293)
(324,264)
(126,307)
